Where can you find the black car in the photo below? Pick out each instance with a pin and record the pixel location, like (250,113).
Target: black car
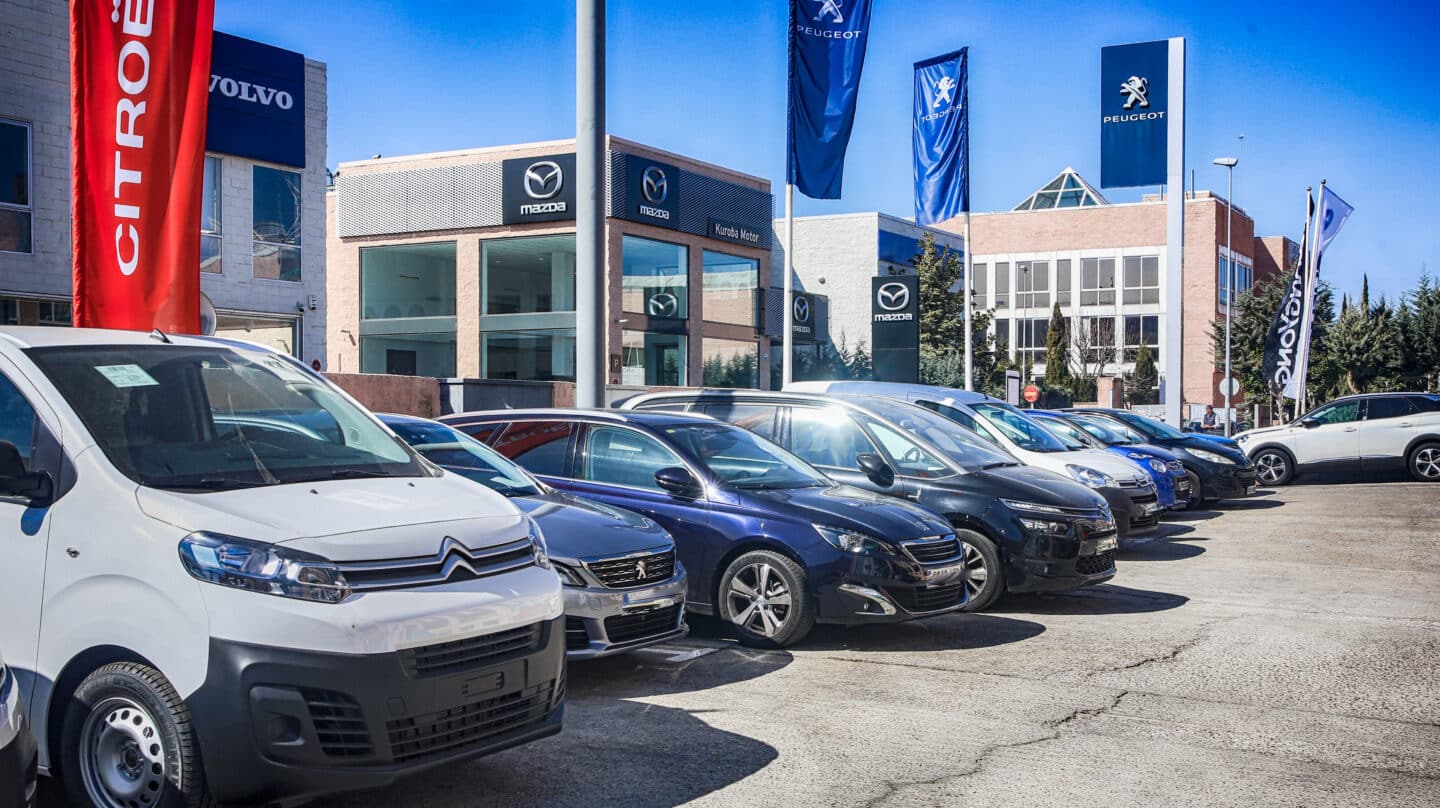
(1024,529)
(1217,469)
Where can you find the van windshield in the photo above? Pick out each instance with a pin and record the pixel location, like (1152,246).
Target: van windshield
(213,418)
(1026,434)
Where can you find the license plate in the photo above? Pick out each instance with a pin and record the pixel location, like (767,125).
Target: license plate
(1182,486)
(937,575)
(1151,508)
(1249,489)
(1095,547)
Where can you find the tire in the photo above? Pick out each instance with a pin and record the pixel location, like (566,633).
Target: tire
(980,554)
(1424,463)
(1197,491)
(771,623)
(1274,467)
(128,742)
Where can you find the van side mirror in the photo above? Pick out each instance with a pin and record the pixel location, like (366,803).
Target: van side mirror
(876,469)
(679,481)
(17,481)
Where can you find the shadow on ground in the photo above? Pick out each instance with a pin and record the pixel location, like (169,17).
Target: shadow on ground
(1168,548)
(1103,599)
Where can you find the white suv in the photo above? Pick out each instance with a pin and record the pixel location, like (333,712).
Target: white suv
(1357,434)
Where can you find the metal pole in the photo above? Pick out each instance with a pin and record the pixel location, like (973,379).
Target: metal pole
(590,318)
(1229,288)
(787,328)
(969,302)
(1173,353)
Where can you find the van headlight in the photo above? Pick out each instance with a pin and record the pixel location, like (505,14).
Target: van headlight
(1090,477)
(262,567)
(537,538)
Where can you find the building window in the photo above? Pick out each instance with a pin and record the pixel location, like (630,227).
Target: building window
(1141,330)
(1002,337)
(730,363)
(649,359)
(1244,277)
(54,312)
(210,217)
(1002,284)
(981,285)
(546,355)
(528,275)
(407,280)
(1099,339)
(1097,281)
(1032,284)
(9,311)
(276,332)
(15,204)
(730,284)
(655,278)
(1030,340)
(1142,279)
(418,354)
(276,224)
(1062,282)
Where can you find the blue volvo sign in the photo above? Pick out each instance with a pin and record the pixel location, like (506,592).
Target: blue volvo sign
(257,101)
(1134,102)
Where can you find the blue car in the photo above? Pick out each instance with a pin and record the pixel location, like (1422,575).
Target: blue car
(771,544)
(1171,482)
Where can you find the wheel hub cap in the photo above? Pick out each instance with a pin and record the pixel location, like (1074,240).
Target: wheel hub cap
(1427,462)
(759,599)
(1271,468)
(975,572)
(122,758)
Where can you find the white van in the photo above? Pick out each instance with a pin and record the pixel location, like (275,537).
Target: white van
(224,579)
(1125,486)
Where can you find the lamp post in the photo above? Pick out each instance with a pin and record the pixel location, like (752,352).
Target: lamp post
(1229,164)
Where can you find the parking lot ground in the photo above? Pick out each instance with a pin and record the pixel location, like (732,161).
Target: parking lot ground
(1280,651)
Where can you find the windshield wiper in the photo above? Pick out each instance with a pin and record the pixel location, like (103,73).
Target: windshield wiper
(350,474)
(999,464)
(209,484)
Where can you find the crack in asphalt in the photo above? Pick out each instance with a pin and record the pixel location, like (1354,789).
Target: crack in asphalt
(1201,635)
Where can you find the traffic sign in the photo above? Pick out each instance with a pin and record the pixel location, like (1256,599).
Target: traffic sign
(1229,387)
(1032,393)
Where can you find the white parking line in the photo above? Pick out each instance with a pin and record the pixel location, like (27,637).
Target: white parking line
(677,654)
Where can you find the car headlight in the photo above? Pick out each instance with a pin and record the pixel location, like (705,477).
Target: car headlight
(1212,457)
(1033,507)
(1157,466)
(568,575)
(1090,477)
(537,538)
(851,541)
(1049,527)
(262,567)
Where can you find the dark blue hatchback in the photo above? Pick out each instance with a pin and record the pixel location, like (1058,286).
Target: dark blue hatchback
(772,545)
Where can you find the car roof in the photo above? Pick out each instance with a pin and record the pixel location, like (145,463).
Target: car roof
(645,418)
(863,403)
(887,390)
(36,336)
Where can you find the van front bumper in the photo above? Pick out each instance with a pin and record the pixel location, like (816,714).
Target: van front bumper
(284,725)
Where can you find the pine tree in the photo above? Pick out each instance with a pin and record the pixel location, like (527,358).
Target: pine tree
(1057,351)
(942,312)
(1142,385)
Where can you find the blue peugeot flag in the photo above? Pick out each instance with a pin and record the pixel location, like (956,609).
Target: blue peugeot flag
(941,139)
(827,53)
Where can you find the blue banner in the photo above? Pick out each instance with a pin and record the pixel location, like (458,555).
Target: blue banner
(827,53)
(257,101)
(1134,100)
(941,138)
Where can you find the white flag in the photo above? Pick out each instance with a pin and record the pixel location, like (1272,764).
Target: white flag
(1329,219)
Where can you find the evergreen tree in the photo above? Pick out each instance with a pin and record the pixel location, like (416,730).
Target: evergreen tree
(942,312)
(1142,386)
(1419,330)
(1057,351)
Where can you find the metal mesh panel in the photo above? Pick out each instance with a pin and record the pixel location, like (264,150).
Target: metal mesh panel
(414,201)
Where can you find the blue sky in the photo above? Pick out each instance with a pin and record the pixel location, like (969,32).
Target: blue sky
(1320,90)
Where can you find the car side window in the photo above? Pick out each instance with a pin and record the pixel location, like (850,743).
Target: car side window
(540,446)
(962,418)
(1388,407)
(17,420)
(620,456)
(1425,403)
(758,418)
(827,438)
(911,459)
(1341,412)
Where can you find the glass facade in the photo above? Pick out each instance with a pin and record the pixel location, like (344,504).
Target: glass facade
(1244,278)
(1030,340)
(276,223)
(538,355)
(655,279)
(981,286)
(407,309)
(409,354)
(1062,281)
(730,289)
(210,217)
(528,275)
(730,363)
(1141,330)
(1002,284)
(1097,281)
(650,359)
(15,203)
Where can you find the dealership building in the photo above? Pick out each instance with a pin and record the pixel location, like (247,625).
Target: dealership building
(262,220)
(462,264)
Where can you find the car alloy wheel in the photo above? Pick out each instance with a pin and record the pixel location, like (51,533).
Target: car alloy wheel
(759,599)
(122,755)
(1272,467)
(976,572)
(1426,463)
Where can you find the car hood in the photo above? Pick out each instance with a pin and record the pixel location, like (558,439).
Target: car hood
(348,520)
(1228,448)
(1029,484)
(1145,450)
(1120,468)
(575,528)
(1263,432)
(851,508)
(1220,439)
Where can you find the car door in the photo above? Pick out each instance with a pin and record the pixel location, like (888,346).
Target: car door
(1391,422)
(1334,440)
(28,424)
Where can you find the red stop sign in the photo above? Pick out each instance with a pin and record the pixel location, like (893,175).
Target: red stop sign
(1032,394)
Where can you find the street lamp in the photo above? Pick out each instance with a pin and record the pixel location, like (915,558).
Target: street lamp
(1228,163)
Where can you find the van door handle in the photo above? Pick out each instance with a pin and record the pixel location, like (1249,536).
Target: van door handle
(1405,423)
(1349,429)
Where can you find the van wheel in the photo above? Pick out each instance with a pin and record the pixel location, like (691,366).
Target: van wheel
(1425,463)
(763,596)
(128,743)
(984,580)
(1273,467)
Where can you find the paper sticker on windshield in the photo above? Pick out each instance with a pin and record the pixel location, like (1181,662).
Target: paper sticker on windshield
(127,375)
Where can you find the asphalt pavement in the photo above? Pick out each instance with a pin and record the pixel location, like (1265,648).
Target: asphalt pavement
(1280,651)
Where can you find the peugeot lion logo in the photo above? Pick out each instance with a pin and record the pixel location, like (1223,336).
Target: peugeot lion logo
(944,91)
(663,304)
(831,8)
(893,296)
(640,568)
(1136,90)
(653,185)
(802,310)
(544,179)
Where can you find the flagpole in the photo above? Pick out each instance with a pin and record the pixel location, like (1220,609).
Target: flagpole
(1307,315)
(787,372)
(969,307)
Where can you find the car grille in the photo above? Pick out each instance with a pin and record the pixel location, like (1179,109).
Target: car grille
(1175,466)
(1136,482)
(576,636)
(470,724)
(921,599)
(339,723)
(1145,520)
(1096,564)
(454,562)
(628,627)
(930,551)
(634,570)
(473,652)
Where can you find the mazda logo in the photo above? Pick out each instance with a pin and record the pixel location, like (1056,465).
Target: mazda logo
(663,304)
(654,186)
(802,310)
(893,296)
(544,179)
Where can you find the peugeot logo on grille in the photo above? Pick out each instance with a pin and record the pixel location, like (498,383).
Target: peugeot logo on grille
(893,296)
(663,304)
(653,185)
(802,310)
(640,568)
(544,179)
